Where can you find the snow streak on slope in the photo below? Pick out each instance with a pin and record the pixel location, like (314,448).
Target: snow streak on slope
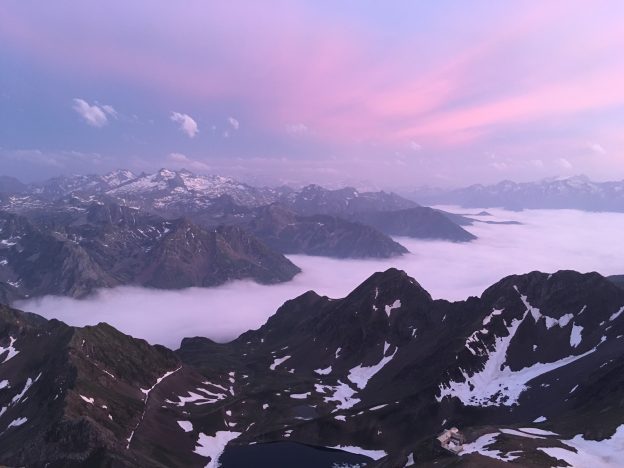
(12,352)
(146,392)
(341,394)
(496,384)
(374,454)
(360,375)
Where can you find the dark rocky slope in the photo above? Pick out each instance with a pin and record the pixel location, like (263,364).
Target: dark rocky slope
(326,235)
(419,222)
(314,199)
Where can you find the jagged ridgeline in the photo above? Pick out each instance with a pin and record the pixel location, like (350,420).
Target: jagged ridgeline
(176,229)
(529,373)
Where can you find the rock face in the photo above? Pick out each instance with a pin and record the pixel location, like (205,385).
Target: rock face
(325,235)
(313,199)
(577,192)
(527,371)
(11,185)
(419,222)
(617,279)
(173,192)
(191,256)
(75,247)
(82,184)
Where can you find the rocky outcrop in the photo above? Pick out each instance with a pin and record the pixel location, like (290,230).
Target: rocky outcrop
(419,222)
(325,235)
(76,247)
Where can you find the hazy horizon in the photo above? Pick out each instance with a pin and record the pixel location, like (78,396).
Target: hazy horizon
(361,185)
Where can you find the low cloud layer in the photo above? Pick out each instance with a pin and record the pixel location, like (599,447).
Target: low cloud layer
(547,241)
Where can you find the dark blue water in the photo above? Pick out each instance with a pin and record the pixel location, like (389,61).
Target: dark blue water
(288,455)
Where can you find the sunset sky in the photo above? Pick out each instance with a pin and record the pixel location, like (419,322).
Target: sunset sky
(398,94)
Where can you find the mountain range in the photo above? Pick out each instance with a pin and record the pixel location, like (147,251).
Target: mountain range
(528,373)
(577,192)
(75,246)
(360,226)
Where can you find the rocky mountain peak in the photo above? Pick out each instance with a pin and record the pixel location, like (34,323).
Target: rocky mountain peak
(390,283)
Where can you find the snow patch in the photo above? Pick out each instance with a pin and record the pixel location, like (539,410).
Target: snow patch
(496,384)
(535,430)
(360,375)
(605,453)
(12,352)
(576,335)
(494,313)
(377,407)
(374,454)
(278,361)
(617,314)
(481,446)
(341,393)
(520,434)
(17,422)
(17,398)
(196,398)
(87,399)
(213,446)
(395,305)
(186,426)
(325,371)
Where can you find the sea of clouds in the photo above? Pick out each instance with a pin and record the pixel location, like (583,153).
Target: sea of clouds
(547,240)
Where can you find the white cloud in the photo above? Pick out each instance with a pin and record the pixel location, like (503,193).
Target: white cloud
(548,240)
(234,123)
(414,146)
(538,163)
(186,162)
(564,163)
(596,148)
(499,165)
(178,157)
(296,128)
(110,110)
(187,123)
(94,115)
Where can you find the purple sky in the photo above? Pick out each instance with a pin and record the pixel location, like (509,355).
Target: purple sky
(396,93)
